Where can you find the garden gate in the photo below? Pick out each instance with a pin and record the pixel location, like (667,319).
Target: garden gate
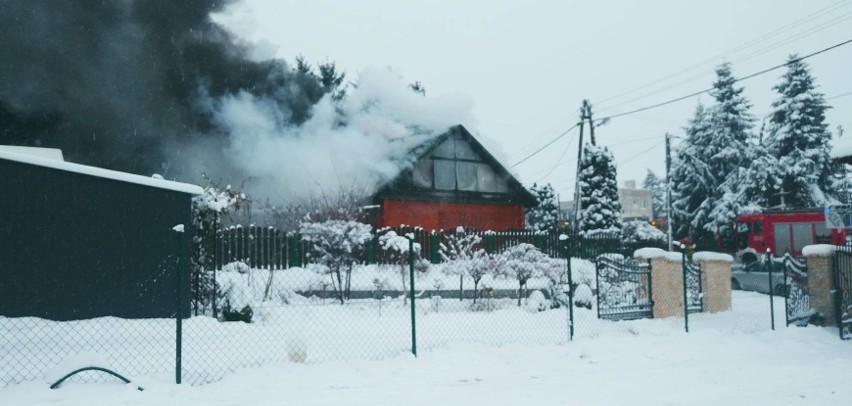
(797,297)
(694,296)
(843,296)
(624,288)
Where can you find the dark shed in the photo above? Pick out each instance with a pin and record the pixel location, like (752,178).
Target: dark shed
(79,242)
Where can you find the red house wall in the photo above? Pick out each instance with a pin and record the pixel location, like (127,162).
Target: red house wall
(448,216)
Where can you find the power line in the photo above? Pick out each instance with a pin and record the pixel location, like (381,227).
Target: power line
(545,146)
(769,48)
(837,96)
(561,157)
(691,95)
(748,44)
(641,153)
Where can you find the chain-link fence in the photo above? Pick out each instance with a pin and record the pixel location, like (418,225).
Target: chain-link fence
(129,332)
(495,290)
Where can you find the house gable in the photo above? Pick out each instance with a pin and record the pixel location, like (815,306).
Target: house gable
(455,167)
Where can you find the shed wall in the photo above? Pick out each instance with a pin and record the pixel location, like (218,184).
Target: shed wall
(74,246)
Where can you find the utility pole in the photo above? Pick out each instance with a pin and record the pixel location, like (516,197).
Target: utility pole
(576,214)
(588,113)
(669,188)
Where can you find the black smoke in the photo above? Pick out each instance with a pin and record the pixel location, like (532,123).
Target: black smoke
(125,84)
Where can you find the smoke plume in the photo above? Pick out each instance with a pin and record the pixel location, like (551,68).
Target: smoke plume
(158,87)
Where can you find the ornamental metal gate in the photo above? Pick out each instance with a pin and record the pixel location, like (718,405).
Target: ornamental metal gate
(624,288)
(843,286)
(694,293)
(797,297)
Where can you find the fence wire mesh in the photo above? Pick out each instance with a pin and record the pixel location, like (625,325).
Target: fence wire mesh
(261,296)
(36,348)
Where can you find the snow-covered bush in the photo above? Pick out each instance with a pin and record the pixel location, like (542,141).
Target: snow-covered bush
(207,210)
(555,271)
(238,291)
(583,296)
(639,234)
(397,249)
(582,272)
(537,302)
(463,256)
(337,245)
(521,262)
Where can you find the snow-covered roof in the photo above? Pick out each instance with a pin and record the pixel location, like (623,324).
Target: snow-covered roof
(36,159)
(49,153)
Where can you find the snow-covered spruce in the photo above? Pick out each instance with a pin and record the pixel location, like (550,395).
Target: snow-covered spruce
(600,209)
(544,216)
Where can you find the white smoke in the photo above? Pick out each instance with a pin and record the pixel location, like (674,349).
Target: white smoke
(353,146)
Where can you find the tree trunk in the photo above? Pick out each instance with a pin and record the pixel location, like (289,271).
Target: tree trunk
(461,288)
(475,285)
(339,289)
(268,286)
(348,292)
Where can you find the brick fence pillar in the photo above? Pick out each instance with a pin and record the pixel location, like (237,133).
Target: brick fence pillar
(821,281)
(716,285)
(667,287)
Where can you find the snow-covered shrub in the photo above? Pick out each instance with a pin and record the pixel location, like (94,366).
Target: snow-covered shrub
(461,252)
(207,210)
(583,296)
(337,245)
(521,262)
(397,249)
(555,271)
(640,234)
(537,302)
(583,272)
(239,290)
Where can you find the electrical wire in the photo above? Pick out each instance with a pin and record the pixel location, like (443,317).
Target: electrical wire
(762,51)
(691,95)
(746,45)
(545,146)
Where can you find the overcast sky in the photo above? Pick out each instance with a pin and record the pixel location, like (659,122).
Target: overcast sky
(528,65)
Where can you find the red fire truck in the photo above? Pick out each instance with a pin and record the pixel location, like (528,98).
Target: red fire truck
(779,231)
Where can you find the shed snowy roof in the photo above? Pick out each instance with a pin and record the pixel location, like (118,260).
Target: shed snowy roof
(49,161)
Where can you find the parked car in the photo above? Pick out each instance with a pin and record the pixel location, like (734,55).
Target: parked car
(754,276)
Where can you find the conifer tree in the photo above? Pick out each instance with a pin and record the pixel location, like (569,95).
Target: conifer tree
(658,186)
(600,208)
(544,216)
(799,139)
(692,180)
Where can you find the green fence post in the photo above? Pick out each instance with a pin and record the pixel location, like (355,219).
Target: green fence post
(178,311)
(570,291)
(489,243)
(371,259)
(685,301)
(768,262)
(411,277)
(434,245)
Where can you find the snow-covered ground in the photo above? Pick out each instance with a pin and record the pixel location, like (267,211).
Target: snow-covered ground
(659,366)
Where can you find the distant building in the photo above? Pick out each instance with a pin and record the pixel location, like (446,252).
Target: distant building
(637,204)
(566,212)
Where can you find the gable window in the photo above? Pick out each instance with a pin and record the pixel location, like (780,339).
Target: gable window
(454,165)
(445,174)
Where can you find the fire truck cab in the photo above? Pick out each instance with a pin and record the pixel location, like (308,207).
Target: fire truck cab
(779,231)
